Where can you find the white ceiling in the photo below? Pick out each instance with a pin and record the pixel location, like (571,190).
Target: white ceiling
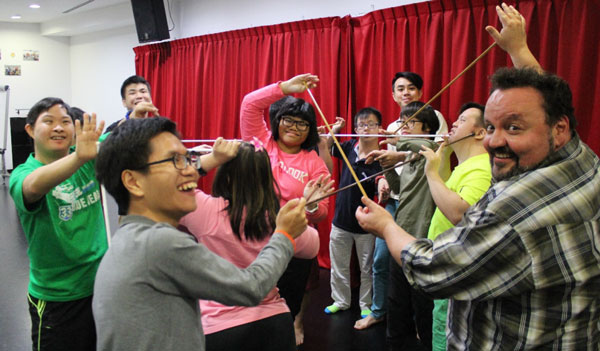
(93,16)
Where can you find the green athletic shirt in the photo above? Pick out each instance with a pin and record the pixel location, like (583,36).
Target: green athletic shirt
(65,232)
(470,179)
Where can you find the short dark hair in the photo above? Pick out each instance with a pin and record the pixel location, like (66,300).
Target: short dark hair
(427,116)
(42,106)
(411,77)
(295,107)
(467,105)
(128,147)
(135,79)
(76,114)
(556,94)
(366,112)
(254,206)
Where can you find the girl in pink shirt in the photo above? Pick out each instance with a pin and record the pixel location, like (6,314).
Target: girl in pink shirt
(237,228)
(296,166)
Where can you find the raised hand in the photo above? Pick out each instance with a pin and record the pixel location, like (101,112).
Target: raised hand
(225,150)
(87,135)
(298,84)
(144,109)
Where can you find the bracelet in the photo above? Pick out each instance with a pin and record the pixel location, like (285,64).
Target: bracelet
(284,233)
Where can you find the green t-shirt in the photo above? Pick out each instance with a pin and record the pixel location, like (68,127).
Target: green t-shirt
(470,179)
(65,232)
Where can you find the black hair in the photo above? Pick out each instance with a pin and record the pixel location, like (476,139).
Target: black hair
(427,116)
(135,79)
(411,77)
(467,105)
(366,112)
(42,106)
(76,114)
(555,92)
(295,107)
(128,147)
(246,182)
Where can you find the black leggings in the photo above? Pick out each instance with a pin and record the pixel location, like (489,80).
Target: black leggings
(275,333)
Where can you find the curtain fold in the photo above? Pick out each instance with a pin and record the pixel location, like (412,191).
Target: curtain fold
(199,82)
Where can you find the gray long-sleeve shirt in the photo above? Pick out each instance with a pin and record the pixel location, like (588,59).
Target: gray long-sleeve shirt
(149,282)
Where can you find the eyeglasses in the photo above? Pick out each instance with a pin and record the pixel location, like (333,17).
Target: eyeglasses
(179,161)
(369,125)
(410,124)
(302,126)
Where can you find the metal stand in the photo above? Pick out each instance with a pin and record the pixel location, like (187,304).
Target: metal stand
(3,149)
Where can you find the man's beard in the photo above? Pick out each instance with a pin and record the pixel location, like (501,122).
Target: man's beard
(518,169)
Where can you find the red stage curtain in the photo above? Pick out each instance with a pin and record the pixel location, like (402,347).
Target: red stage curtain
(200,81)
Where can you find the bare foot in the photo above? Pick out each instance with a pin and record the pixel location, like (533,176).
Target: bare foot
(299,331)
(366,322)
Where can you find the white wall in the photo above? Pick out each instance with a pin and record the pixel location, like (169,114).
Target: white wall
(213,16)
(50,76)
(99,64)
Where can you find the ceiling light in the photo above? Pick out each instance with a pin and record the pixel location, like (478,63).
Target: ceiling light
(34,6)
(15,16)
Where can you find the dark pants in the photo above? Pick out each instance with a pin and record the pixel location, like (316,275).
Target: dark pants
(274,333)
(292,283)
(409,313)
(65,325)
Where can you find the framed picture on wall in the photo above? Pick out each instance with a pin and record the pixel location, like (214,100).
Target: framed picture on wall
(12,70)
(31,55)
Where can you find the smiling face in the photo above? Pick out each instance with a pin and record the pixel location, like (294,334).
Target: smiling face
(167,193)
(293,131)
(467,122)
(136,93)
(405,92)
(518,137)
(53,133)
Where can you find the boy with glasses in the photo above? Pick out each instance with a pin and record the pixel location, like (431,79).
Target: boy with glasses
(345,230)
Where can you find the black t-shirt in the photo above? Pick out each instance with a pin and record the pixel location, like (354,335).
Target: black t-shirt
(348,200)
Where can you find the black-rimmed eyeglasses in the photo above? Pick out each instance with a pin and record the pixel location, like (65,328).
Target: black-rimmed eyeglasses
(179,161)
(301,126)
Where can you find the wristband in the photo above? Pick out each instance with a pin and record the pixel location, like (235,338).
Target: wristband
(284,233)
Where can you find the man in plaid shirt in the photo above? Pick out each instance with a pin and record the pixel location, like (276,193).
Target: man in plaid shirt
(522,268)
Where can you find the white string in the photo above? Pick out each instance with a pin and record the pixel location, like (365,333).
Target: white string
(340,135)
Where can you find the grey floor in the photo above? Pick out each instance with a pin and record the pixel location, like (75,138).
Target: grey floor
(322,332)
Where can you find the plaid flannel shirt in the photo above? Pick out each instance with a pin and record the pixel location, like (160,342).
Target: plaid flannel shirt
(522,268)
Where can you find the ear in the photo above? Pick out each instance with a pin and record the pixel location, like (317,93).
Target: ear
(479,133)
(561,131)
(131,181)
(29,130)
(420,95)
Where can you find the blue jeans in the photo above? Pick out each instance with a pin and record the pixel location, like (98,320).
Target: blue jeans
(381,263)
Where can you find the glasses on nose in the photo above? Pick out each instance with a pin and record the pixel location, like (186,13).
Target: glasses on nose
(179,161)
(370,125)
(410,124)
(301,125)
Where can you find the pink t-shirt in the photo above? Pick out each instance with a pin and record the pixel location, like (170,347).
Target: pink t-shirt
(209,223)
(290,171)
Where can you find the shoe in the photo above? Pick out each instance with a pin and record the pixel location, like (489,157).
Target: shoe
(365,312)
(331,309)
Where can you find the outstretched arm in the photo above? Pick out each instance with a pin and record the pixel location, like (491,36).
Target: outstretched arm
(512,37)
(43,179)
(223,151)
